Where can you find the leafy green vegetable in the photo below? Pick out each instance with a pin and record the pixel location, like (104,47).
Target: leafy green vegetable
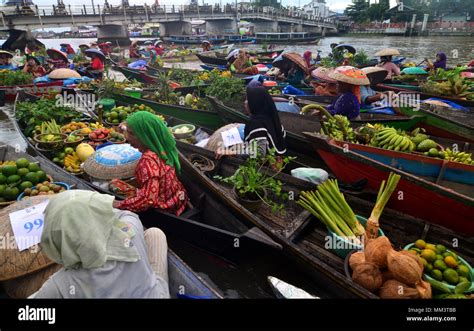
(13,78)
(225,88)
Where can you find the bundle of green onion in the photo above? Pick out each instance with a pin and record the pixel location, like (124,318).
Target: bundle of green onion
(328,204)
(385,191)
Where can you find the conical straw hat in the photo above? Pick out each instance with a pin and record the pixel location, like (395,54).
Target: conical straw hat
(322,73)
(387,52)
(296,59)
(350,75)
(63,74)
(13,263)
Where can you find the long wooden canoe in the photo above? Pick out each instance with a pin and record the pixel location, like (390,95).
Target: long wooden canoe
(443,121)
(36,89)
(295,124)
(300,235)
(423,95)
(205,118)
(438,203)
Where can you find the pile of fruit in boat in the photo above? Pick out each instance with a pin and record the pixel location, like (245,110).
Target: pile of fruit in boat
(17,176)
(74,126)
(119,114)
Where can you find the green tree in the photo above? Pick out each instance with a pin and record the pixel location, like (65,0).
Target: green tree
(267,3)
(358,10)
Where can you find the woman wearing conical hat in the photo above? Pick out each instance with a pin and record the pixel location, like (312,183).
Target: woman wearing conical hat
(349,80)
(386,62)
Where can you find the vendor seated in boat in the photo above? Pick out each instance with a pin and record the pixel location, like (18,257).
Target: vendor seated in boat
(106,48)
(156,172)
(67,49)
(5,61)
(439,63)
(133,51)
(33,66)
(96,67)
(310,61)
(375,75)
(104,252)
(349,80)
(206,46)
(159,47)
(386,62)
(323,85)
(243,64)
(57,59)
(263,130)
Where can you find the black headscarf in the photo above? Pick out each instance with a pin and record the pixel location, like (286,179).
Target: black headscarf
(264,120)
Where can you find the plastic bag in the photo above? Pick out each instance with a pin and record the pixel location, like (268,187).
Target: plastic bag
(313,175)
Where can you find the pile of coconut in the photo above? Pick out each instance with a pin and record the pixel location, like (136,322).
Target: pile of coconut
(389,273)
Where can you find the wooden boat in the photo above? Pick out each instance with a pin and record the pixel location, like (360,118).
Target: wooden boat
(205,118)
(433,201)
(301,236)
(287,38)
(425,166)
(211,58)
(443,121)
(186,39)
(135,74)
(423,95)
(36,89)
(295,124)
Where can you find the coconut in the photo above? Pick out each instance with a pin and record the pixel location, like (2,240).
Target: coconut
(404,268)
(393,289)
(424,289)
(415,257)
(367,275)
(376,251)
(356,258)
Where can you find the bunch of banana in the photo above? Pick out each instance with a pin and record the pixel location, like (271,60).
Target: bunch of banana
(461,157)
(333,126)
(72,163)
(7,163)
(391,139)
(95,126)
(453,86)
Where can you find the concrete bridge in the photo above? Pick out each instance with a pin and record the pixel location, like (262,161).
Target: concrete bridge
(112,22)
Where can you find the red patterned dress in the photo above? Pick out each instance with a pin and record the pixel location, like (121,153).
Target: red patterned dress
(159,187)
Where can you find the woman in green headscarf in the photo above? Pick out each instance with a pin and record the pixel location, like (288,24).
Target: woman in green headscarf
(104,252)
(158,184)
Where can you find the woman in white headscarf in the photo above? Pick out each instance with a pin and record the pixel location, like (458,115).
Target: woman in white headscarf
(104,251)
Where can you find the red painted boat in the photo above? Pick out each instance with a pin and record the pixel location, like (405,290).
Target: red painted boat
(441,203)
(35,89)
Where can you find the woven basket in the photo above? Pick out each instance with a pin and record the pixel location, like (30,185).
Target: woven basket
(63,74)
(13,263)
(23,287)
(215,140)
(107,172)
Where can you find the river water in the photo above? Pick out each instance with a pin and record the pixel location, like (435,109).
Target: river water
(250,279)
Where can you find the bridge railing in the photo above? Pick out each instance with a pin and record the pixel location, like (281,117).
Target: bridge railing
(100,9)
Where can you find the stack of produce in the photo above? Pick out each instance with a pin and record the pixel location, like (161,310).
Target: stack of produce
(119,114)
(17,176)
(443,267)
(391,139)
(45,188)
(389,273)
(15,78)
(72,163)
(73,126)
(59,156)
(457,156)
(337,126)
(328,204)
(454,86)
(100,134)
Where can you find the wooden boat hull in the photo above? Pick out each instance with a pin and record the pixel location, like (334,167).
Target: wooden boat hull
(423,96)
(419,165)
(300,236)
(295,124)
(444,122)
(35,89)
(419,198)
(134,74)
(208,119)
(308,40)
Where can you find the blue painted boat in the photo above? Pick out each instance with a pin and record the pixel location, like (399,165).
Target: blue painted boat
(420,165)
